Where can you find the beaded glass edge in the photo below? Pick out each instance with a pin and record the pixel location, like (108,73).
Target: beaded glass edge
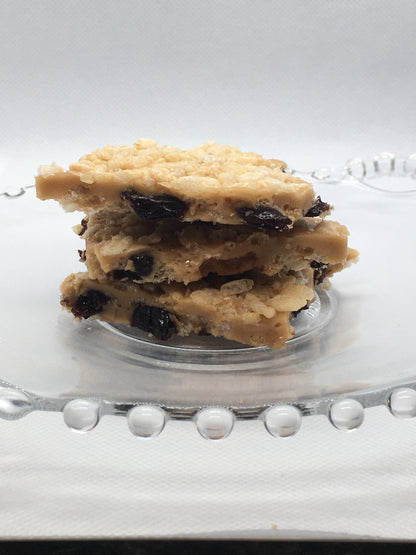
(147,420)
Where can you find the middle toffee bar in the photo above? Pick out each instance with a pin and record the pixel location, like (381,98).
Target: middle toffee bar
(121,246)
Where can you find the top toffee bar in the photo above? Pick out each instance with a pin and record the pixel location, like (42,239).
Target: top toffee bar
(210,183)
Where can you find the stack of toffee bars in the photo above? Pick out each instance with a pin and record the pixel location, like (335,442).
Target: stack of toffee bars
(211,240)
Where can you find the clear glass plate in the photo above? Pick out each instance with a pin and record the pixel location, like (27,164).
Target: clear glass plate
(357,339)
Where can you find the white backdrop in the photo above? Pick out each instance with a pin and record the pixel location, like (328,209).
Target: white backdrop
(311,82)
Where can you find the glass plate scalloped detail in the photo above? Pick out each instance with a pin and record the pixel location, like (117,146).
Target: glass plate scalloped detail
(352,348)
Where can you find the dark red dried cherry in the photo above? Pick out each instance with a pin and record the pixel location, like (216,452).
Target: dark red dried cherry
(89,304)
(317,208)
(143,264)
(320,271)
(264,217)
(153,319)
(164,207)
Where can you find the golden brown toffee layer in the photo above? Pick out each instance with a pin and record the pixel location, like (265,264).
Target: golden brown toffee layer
(253,309)
(121,246)
(212,183)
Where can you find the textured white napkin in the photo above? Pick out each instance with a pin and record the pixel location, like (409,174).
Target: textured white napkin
(55,483)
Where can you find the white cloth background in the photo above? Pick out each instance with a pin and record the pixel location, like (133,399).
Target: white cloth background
(310,82)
